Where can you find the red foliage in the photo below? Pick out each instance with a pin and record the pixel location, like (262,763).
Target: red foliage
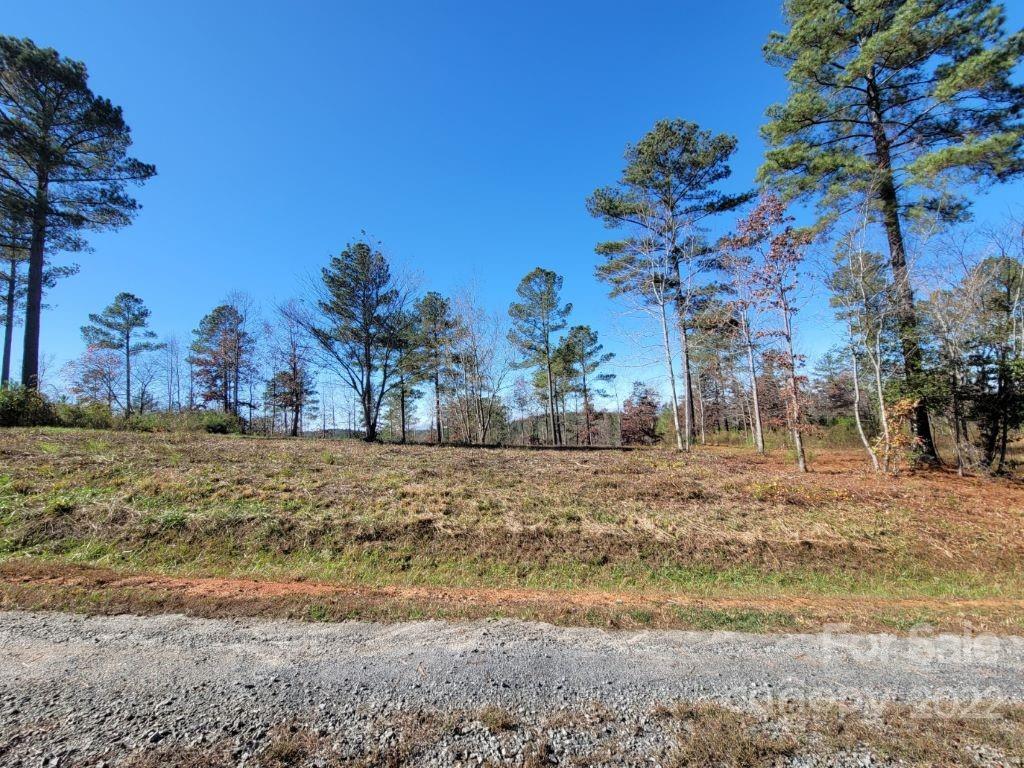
(640,416)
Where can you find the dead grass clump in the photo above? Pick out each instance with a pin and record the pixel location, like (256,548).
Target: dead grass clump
(714,735)
(497,719)
(539,755)
(951,737)
(192,757)
(925,735)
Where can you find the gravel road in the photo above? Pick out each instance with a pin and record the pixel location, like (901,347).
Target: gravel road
(88,690)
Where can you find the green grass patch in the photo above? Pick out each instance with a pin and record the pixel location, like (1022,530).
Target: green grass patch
(738,620)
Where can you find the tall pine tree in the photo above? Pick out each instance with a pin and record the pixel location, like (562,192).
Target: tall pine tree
(122,327)
(894,100)
(586,358)
(670,185)
(436,327)
(537,315)
(64,163)
(356,320)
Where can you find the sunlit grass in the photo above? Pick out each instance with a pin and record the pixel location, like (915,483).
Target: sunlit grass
(715,524)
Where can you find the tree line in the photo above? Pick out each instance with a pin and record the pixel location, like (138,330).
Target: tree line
(365,327)
(897,114)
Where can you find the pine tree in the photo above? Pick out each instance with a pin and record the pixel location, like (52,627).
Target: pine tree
(895,100)
(64,164)
(436,327)
(292,390)
(122,327)
(220,353)
(355,321)
(586,358)
(535,318)
(410,370)
(669,187)
(15,236)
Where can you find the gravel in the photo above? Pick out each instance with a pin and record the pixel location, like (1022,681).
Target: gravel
(96,690)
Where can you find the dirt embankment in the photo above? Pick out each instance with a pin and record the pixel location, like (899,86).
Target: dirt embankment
(36,585)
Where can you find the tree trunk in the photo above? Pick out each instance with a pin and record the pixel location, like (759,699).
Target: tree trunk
(794,392)
(586,404)
(798,441)
(371,427)
(856,411)
(958,436)
(883,414)
(552,423)
(437,406)
(34,299)
(756,404)
(703,417)
(9,303)
(906,313)
(226,388)
(401,396)
(671,378)
(999,428)
(1003,439)
(236,376)
(684,352)
(684,343)
(128,374)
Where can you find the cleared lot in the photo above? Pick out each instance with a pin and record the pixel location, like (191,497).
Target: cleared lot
(719,539)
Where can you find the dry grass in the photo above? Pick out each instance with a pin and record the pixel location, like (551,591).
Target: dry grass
(497,719)
(898,735)
(714,735)
(720,523)
(704,734)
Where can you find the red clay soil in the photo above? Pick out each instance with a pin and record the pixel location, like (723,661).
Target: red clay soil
(43,585)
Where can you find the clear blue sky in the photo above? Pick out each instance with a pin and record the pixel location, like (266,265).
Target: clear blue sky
(464,135)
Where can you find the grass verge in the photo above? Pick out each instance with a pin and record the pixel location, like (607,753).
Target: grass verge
(721,538)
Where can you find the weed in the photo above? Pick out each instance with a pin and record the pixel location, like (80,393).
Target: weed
(173,519)
(60,505)
(718,736)
(497,719)
(737,620)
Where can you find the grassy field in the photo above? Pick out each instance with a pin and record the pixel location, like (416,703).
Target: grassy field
(110,521)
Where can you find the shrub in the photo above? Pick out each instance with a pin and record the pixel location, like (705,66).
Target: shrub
(220,423)
(147,422)
(21,407)
(214,422)
(85,415)
(639,423)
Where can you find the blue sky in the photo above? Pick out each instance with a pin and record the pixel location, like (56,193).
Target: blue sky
(464,135)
